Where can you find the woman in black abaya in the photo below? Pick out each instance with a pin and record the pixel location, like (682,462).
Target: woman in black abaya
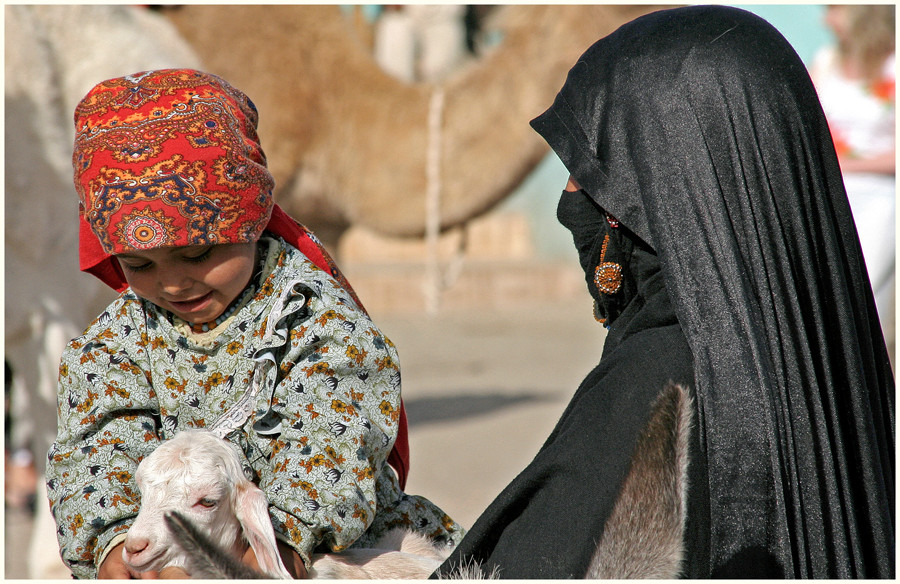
(707,206)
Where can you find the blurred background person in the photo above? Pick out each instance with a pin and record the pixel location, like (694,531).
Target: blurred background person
(423,42)
(855,79)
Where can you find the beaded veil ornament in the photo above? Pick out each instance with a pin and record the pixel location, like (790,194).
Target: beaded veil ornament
(607,274)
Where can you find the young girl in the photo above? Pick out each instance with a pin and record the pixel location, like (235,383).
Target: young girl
(233,318)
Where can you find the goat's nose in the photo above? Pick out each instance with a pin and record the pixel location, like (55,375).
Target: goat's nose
(135,545)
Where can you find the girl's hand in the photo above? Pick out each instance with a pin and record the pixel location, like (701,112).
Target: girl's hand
(173,573)
(115,568)
(289,557)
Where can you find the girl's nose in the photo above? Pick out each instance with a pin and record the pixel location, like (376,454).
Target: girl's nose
(174,282)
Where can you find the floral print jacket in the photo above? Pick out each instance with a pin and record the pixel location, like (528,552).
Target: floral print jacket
(299,378)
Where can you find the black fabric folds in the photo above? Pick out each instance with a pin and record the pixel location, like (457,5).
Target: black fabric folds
(547,522)
(699,129)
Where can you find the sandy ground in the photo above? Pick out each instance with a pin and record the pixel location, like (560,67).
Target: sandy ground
(482,391)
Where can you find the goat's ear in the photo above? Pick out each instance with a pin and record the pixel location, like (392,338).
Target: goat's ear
(252,510)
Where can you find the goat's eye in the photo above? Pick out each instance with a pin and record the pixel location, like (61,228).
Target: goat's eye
(207,502)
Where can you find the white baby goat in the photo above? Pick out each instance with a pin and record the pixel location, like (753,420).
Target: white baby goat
(199,476)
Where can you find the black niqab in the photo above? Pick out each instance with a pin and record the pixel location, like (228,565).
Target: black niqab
(547,522)
(699,129)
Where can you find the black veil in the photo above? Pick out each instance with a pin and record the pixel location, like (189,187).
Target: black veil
(699,129)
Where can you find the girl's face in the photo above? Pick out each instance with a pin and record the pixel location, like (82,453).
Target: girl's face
(196,283)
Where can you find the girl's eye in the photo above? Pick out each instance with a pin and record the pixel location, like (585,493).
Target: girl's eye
(204,255)
(207,502)
(138,267)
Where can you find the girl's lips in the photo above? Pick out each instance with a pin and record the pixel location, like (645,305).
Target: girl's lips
(189,306)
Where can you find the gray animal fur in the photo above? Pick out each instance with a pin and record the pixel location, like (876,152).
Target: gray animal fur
(207,560)
(644,536)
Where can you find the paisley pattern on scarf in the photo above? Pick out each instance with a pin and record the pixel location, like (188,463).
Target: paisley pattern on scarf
(331,380)
(170,157)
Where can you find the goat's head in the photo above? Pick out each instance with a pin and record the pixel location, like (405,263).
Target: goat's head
(199,475)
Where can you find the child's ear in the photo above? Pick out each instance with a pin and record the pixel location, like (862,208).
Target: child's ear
(252,510)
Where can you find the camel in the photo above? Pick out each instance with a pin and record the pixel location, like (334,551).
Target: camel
(54,55)
(348,143)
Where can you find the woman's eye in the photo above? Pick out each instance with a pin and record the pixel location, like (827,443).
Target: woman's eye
(207,502)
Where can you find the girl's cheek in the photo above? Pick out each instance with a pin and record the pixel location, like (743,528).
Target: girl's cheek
(138,283)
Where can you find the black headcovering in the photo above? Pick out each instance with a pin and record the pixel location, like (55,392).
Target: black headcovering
(699,129)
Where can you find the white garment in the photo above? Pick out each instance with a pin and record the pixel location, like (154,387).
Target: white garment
(441,36)
(856,115)
(395,45)
(421,42)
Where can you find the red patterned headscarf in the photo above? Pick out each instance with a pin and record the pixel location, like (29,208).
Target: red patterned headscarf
(172,158)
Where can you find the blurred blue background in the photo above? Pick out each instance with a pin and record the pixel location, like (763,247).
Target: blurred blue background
(801,24)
